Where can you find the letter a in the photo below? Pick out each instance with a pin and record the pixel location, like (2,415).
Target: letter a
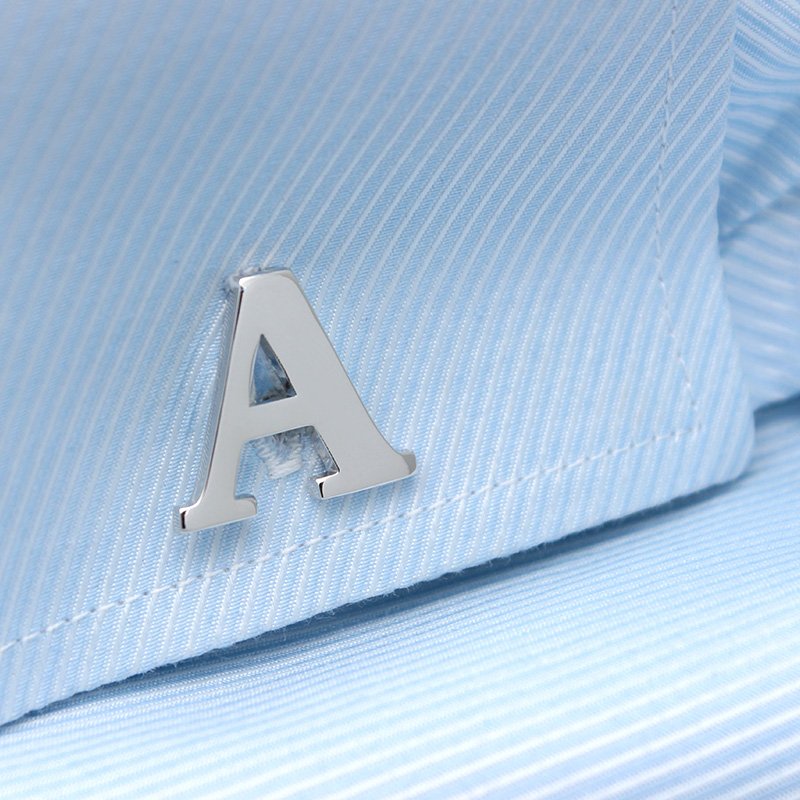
(272,305)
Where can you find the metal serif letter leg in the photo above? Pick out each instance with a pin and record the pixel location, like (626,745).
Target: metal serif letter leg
(273,305)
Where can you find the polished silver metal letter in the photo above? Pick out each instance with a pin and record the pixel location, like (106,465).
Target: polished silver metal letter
(272,305)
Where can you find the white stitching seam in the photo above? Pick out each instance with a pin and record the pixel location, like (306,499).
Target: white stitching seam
(662,149)
(674,435)
(254,562)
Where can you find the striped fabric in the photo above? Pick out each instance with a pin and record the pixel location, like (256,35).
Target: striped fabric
(652,659)
(760,197)
(504,216)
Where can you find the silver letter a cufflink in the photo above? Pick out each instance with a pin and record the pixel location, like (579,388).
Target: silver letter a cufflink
(272,305)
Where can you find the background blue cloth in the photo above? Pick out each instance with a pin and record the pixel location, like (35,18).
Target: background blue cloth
(655,658)
(759,206)
(505,217)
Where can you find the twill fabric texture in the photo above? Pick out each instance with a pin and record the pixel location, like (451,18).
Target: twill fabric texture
(504,217)
(655,658)
(759,207)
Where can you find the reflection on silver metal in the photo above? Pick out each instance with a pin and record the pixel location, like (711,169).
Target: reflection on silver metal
(272,305)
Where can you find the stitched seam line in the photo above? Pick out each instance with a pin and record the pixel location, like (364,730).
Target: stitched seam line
(674,435)
(658,213)
(254,562)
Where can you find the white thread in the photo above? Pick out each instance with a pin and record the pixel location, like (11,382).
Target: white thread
(232,284)
(254,562)
(659,191)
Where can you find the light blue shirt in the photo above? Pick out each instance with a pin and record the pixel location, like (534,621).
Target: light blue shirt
(555,247)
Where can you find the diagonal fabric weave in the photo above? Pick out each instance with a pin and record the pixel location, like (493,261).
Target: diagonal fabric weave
(760,196)
(505,219)
(655,658)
